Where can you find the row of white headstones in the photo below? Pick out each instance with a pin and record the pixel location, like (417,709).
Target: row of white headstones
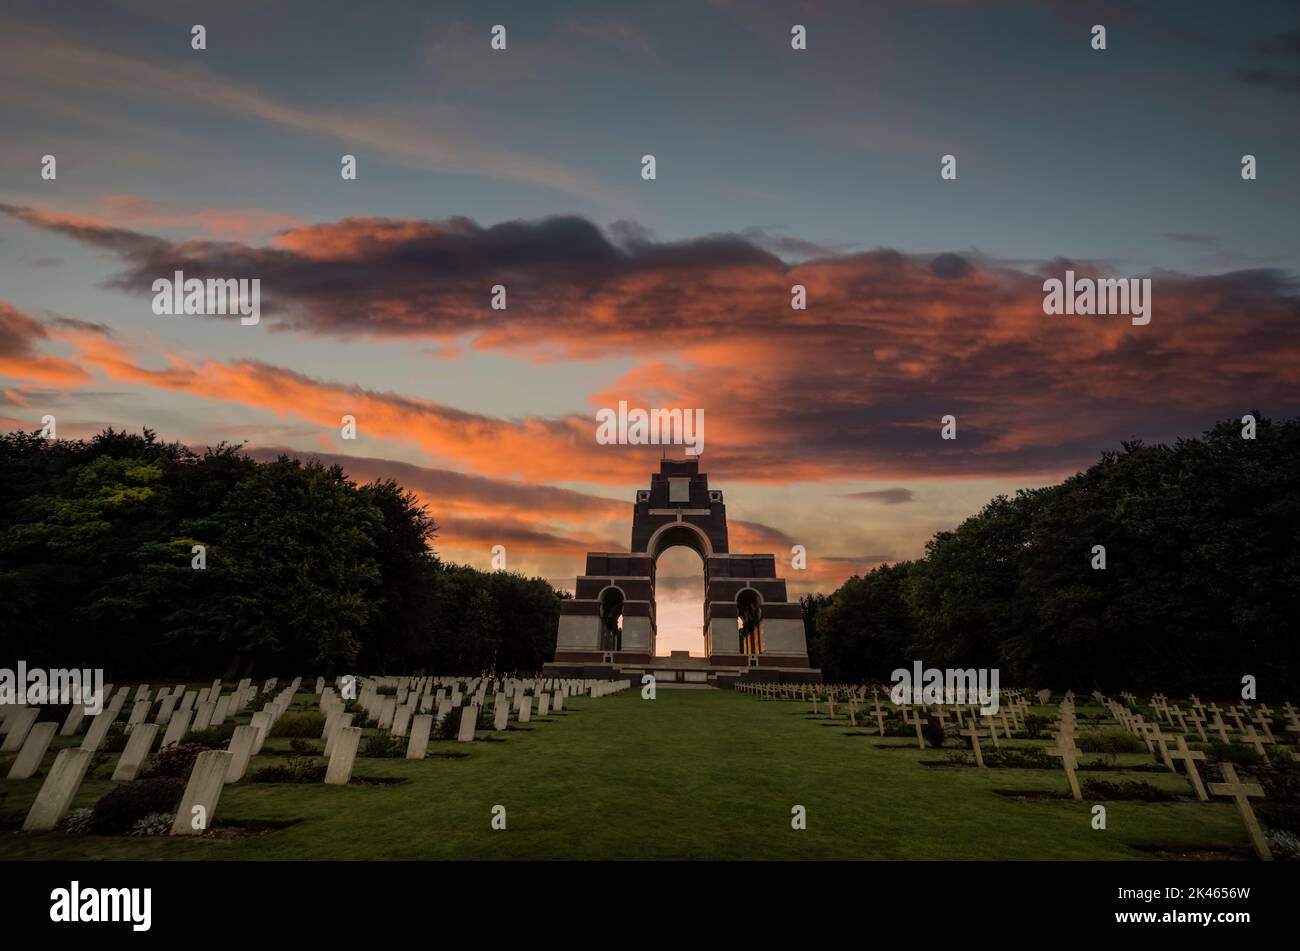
(404,713)
(1253,728)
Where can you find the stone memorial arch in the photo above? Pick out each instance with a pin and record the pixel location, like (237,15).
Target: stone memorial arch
(751,628)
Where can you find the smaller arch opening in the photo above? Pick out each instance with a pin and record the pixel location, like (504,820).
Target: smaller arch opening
(611,618)
(749,621)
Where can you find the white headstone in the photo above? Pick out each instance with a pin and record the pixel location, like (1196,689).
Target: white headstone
(241,751)
(418,745)
(177,727)
(136,752)
(98,730)
(468,720)
(166,709)
(402,718)
(33,751)
(138,714)
(60,786)
(262,723)
(199,804)
(345,719)
(76,714)
(203,715)
(19,725)
(344,754)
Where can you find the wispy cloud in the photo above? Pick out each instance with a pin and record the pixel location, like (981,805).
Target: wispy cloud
(42,59)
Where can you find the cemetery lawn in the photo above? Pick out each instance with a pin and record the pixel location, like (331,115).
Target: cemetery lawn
(694,774)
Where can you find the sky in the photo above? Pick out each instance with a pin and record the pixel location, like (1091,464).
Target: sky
(773,167)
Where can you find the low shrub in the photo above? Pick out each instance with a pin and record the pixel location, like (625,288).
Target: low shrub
(300,747)
(1280,809)
(303,725)
(933,732)
(1234,753)
(1133,789)
(295,771)
(896,728)
(120,809)
(1018,757)
(156,823)
(78,821)
(211,738)
(175,760)
(383,744)
(1111,742)
(450,725)
(1284,845)
(1035,725)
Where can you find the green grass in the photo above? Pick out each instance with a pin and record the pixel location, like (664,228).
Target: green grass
(694,774)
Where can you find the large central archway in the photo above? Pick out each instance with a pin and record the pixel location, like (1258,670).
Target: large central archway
(680,589)
(749,622)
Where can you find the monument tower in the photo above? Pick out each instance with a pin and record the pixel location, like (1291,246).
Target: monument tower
(751,628)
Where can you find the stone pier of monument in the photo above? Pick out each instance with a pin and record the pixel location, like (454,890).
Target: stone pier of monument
(752,631)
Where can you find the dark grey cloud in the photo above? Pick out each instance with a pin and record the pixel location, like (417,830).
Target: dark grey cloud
(1280,68)
(894,496)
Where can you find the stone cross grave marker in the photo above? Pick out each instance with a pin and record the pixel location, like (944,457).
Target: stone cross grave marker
(1189,758)
(991,725)
(1161,737)
(1252,738)
(1241,794)
(1220,727)
(974,733)
(1069,756)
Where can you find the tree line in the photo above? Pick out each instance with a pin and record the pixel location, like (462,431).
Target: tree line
(148,559)
(1200,585)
